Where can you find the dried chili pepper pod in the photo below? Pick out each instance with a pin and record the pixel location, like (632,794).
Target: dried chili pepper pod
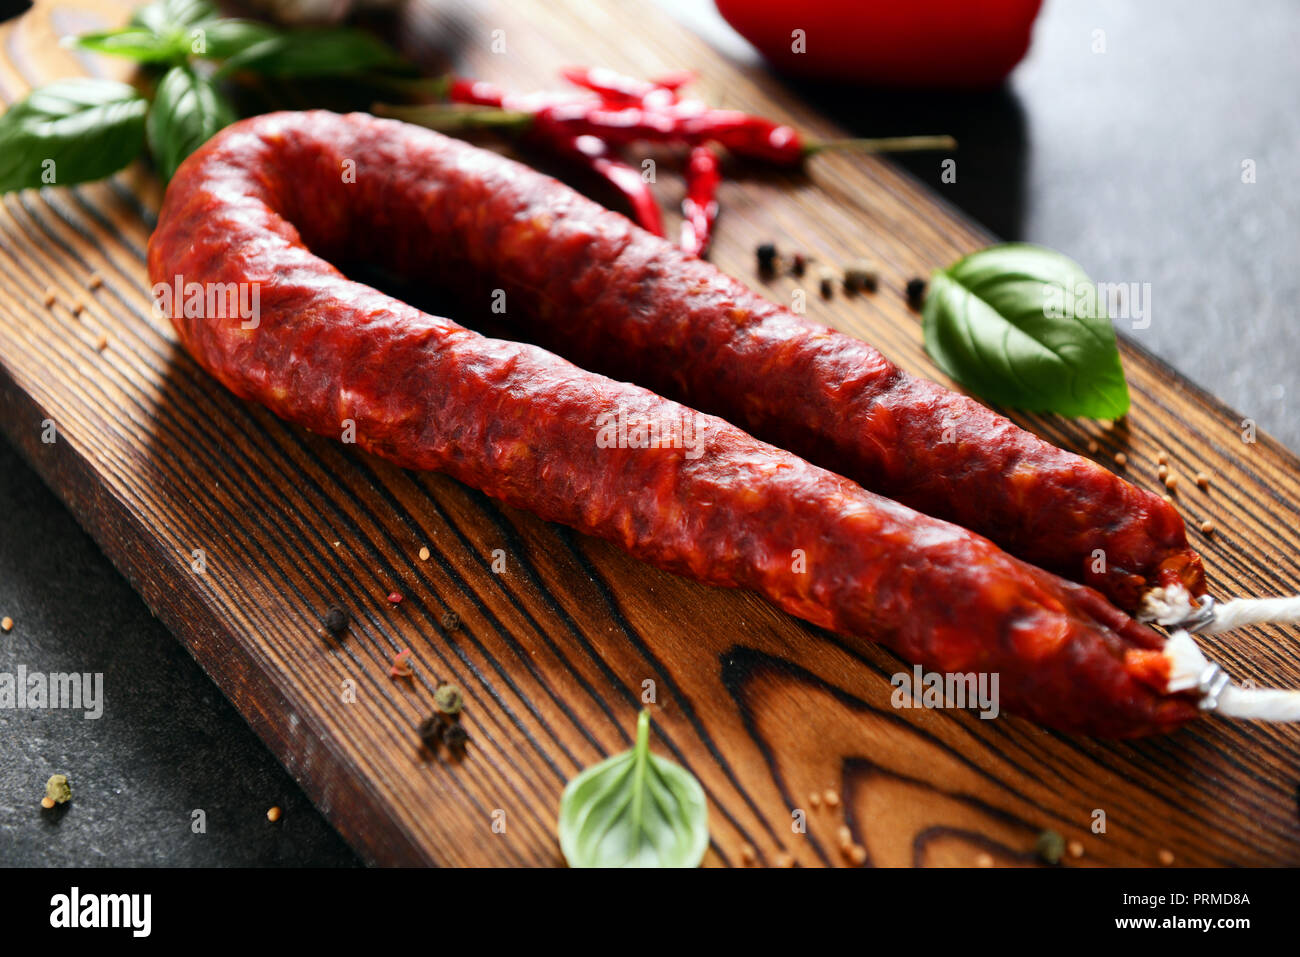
(700,207)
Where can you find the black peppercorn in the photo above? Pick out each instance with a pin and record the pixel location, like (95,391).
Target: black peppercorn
(455,737)
(798,264)
(916,293)
(861,276)
(767,258)
(336,621)
(826,282)
(431,731)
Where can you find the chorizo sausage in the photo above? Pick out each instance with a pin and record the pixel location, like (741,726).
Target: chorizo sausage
(264,199)
(590,285)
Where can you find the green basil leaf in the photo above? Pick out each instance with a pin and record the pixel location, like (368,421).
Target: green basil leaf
(327,51)
(226,37)
(187,110)
(169,16)
(136,43)
(1023,326)
(70,132)
(634,810)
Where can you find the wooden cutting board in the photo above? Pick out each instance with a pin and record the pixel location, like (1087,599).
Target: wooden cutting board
(554,654)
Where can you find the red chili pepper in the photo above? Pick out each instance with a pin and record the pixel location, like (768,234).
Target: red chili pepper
(615,88)
(700,207)
(627,113)
(624,178)
(592,150)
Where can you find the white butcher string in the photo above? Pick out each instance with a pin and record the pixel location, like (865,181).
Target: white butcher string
(1173,608)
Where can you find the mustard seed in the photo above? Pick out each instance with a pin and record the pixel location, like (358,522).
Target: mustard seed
(273,815)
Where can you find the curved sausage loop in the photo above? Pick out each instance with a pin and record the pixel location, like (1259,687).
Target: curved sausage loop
(262,202)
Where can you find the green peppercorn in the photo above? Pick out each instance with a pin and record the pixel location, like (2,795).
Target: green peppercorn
(1050,847)
(57,789)
(448,699)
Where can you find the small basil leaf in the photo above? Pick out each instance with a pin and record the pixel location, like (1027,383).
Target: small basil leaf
(225,38)
(187,110)
(169,16)
(1023,326)
(136,43)
(329,51)
(72,131)
(634,810)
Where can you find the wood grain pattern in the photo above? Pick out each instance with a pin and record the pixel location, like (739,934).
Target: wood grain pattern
(157,461)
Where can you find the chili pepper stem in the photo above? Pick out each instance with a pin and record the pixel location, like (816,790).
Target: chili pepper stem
(455,117)
(430,88)
(886,144)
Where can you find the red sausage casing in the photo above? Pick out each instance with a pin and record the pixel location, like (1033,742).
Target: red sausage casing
(262,198)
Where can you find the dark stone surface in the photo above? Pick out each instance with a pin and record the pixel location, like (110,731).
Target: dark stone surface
(168,743)
(1128,160)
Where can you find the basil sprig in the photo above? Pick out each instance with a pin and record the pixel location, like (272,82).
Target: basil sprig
(70,132)
(634,810)
(187,110)
(74,131)
(1022,326)
(137,43)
